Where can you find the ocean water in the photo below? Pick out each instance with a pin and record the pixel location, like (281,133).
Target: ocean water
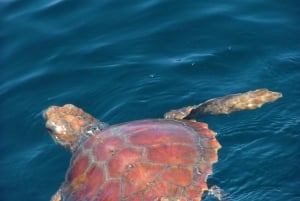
(129,60)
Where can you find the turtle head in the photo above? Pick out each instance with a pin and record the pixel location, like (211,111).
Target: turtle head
(67,123)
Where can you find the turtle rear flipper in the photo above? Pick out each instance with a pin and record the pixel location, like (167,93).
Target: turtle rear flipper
(218,193)
(227,104)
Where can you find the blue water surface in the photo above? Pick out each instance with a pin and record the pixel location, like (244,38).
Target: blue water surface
(129,60)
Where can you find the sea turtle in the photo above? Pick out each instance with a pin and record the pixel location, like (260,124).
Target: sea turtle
(146,160)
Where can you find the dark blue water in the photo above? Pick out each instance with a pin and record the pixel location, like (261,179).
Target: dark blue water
(128,60)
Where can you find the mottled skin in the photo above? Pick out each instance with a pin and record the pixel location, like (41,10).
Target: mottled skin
(157,159)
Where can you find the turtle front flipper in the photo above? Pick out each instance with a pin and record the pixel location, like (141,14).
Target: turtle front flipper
(227,104)
(57,196)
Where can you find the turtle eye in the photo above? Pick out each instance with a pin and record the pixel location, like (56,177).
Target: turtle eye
(95,128)
(92,129)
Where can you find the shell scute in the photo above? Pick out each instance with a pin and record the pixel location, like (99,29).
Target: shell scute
(210,155)
(122,161)
(210,143)
(139,177)
(96,178)
(110,191)
(173,154)
(160,190)
(202,129)
(156,135)
(196,189)
(178,175)
(107,148)
(204,167)
(78,167)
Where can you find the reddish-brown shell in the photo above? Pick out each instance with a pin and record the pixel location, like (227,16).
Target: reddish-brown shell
(143,160)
